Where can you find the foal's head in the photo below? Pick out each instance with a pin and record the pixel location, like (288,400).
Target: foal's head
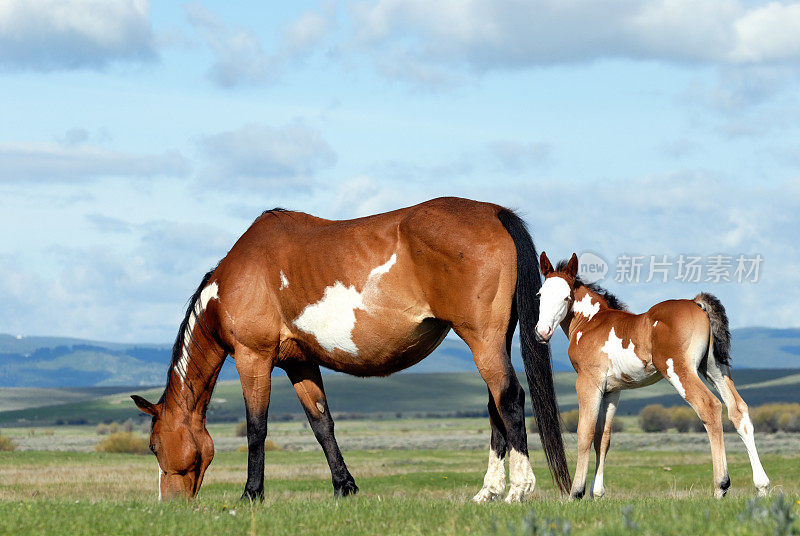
(183,448)
(555,296)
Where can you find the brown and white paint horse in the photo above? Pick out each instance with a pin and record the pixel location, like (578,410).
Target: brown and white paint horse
(612,349)
(368,297)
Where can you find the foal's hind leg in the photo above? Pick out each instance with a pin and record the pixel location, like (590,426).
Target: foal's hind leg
(494,483)
(602,439)
(689,385)
(720,376)
(307,382)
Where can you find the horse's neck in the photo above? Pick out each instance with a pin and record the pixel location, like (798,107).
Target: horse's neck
(191,392)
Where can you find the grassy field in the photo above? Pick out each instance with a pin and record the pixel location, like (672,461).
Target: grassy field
(416,477)
(402,492)
(407,394)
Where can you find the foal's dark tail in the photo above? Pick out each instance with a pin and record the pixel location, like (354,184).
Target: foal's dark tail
(720,333)
(536,356)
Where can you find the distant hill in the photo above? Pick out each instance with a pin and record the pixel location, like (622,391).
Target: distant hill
(411,395)
(58,362)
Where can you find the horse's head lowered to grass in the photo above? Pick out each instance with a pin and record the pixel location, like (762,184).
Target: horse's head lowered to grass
(183,448)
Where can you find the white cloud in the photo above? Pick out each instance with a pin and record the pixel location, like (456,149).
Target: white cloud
(48,35)
(239,57)
(525,33)
(53,162)
(258,155)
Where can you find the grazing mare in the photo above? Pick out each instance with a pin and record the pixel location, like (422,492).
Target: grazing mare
(613,349)
(368,297)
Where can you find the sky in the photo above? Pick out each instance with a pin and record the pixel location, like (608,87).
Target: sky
(138,140)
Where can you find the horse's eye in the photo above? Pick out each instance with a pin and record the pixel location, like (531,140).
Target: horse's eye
(566,299)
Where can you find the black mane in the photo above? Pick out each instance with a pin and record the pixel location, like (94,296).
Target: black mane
(612,301)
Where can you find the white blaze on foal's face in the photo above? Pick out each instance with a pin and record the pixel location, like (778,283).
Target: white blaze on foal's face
(553,305)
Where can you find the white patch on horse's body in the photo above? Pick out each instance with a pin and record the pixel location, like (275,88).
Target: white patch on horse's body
(585,307)
(655,323)
(211,292)
(521,476)
(623,360)
(578,337)
(284,281)
(760,478)
(673,378)
(331,320)
(494,483)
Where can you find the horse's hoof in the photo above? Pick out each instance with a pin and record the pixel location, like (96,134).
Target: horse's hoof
(485,495)
(763,491)
(518,494)
(347,488)
(252,496)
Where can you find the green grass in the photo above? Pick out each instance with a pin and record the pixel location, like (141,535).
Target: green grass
(402,492)
(408,394)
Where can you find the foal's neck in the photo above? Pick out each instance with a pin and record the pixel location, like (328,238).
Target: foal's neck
(586,304)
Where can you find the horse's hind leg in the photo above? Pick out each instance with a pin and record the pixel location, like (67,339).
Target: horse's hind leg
(495,368)
(689,385)
(602,439)
(307,382)
(255,374)
(720,376)
(494,483)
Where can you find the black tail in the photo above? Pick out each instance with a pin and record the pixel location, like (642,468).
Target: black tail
(720,331)
(536,356)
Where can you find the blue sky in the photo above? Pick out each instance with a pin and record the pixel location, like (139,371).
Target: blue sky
(139,140)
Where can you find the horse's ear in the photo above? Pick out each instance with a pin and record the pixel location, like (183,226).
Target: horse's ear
(572,266)
(544,264)
(144,405)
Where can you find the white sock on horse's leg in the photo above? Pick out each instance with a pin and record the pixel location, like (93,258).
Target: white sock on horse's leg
(494,483)
(520,473)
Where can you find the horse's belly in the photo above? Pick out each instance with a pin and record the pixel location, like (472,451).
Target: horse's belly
(377,343)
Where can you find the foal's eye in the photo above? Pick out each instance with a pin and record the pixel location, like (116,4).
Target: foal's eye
(566,299)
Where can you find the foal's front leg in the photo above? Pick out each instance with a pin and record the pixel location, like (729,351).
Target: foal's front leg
(589,397)
(602,439)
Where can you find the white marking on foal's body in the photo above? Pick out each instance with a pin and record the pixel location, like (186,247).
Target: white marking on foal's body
(674,379)
(585,307)
(494,483)
(284,281)
(578,337)
(211,292)
(623,360)
(760,478)
(331,320)
(655,323)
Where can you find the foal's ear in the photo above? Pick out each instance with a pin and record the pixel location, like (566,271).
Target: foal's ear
(144,405)
(572,266)
(544,264)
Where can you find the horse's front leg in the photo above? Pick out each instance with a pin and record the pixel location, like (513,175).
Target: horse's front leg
(255,374)
(307,382)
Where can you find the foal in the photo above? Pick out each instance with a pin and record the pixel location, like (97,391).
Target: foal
(612,349)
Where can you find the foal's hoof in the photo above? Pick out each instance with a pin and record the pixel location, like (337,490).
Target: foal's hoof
(486,495)
(762,491)
(348,487)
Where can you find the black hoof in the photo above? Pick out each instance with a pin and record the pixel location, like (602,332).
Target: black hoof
(348,487)
(252,496)
(577,495)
